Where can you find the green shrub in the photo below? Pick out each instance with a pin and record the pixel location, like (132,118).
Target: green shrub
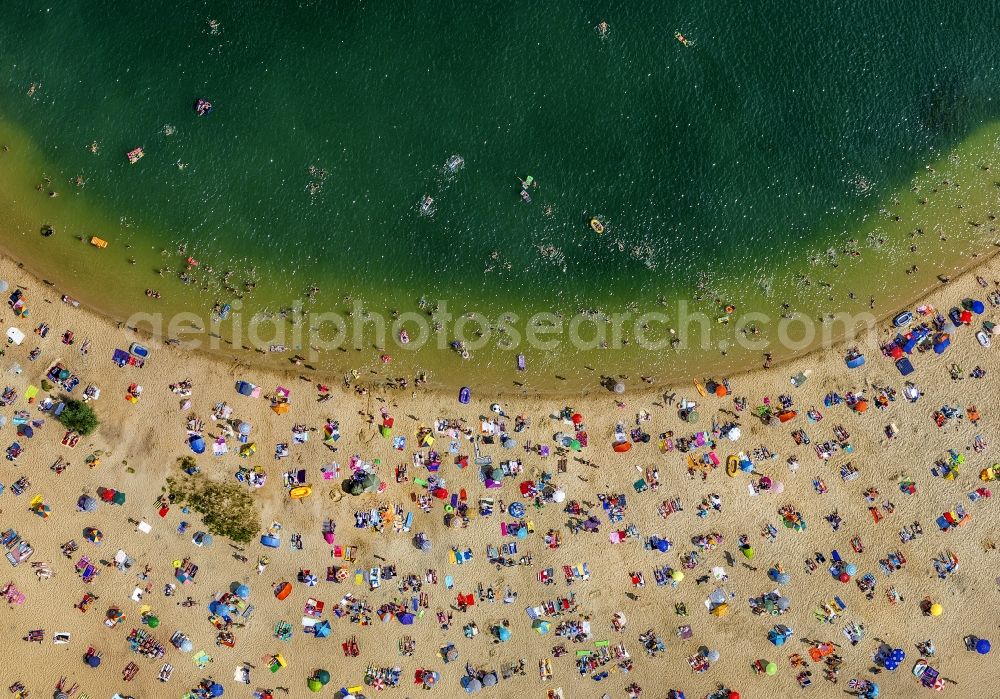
(79,417)
(227,509)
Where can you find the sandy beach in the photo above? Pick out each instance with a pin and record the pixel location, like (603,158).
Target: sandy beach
(832,466)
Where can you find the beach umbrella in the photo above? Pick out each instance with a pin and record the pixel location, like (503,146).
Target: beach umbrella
(323,676)
(978,307)
(310,580)
(489,679)
(558,496)
(186,645)
(64,374)
(202,539)
(216,689)
(94,660)
(733,695)
(118,498)
(25,431)
(452,655)
(472,685)
(197,444)
(677,576)
(851,569)
(314,684)
(713,656)
(152,622)
(982,646)
(3,286)
(406,618)
(621,447)
(619,388)
(734,434)
(323,629)
(783,603)
(93,535)
(541,626)
(783,578)
(245,428)
(241,591)
(936,609)
(771,668)
(86,504)
(508,443)
(503,633)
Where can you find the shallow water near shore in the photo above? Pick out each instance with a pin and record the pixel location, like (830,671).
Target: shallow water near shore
(724,172)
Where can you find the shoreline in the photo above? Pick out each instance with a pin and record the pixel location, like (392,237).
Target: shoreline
(598,388)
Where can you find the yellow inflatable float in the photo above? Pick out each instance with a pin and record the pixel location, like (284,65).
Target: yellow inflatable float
(732,465)
(300,492)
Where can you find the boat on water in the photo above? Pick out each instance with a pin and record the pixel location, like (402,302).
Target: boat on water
(427,207)
(596,225)
(135,155)
(98,242)
(202,107)
(683,39)
(454,163)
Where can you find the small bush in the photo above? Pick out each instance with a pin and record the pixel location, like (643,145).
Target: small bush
(79,417)
(227,509)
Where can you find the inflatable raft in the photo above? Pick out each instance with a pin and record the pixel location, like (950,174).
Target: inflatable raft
(300,492)
(732,465)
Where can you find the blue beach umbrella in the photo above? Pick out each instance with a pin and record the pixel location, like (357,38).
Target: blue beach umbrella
(197,444)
